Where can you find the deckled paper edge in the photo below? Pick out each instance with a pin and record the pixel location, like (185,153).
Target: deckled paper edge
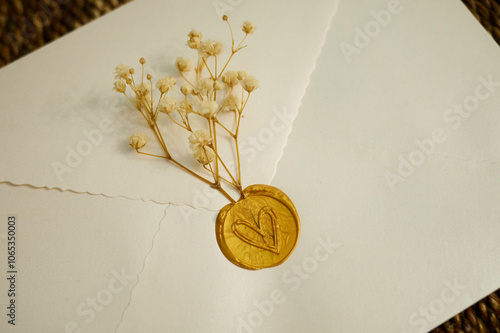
(312,71)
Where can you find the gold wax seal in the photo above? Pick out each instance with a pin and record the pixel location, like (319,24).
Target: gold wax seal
(260,230)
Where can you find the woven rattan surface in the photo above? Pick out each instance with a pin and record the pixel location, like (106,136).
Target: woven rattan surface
(26,25)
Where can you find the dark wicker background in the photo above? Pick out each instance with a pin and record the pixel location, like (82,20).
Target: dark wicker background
(25,25)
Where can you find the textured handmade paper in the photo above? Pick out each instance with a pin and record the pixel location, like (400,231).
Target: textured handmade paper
(77,257)
(417,251)
(370,258)
(64,127)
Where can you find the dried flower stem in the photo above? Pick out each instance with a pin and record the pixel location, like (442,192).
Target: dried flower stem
(185,79)
(143,153)
(209,71)
(204,143)
(212,124)
(175,121)
(157,132)
(238,158)
(224,127)
(218,187)
(215,66)
(234,182)
(233,50)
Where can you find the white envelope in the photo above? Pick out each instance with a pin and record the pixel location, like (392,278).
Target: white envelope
(59,106)
(372,257)
(418,250)
(73,107)
(75,258)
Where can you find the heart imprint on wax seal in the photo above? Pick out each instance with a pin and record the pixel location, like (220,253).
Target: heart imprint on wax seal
(260,230)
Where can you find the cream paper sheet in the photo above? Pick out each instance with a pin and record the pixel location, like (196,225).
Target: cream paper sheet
(372,257)
(63,126)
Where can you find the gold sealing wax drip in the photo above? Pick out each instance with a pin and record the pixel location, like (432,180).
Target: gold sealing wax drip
(267,241)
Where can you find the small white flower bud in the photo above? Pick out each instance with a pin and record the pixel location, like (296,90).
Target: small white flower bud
(194,42)
(218,85)
(194,33)
(122,71)
(204,86)
(199,139)
(120,85)
(204,155)
(208,108)
(210,48)
(248,27)
(167,105)
(138,140)
(242,74)
(187,89)
(229,104)
(230,78)
(218,47)
(249,83)
(183,65)
(166,83)
(143,89)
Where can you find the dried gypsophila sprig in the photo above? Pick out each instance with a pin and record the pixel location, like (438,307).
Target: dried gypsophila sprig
(200,99)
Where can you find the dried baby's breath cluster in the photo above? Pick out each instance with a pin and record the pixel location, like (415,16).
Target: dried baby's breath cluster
(208,91)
